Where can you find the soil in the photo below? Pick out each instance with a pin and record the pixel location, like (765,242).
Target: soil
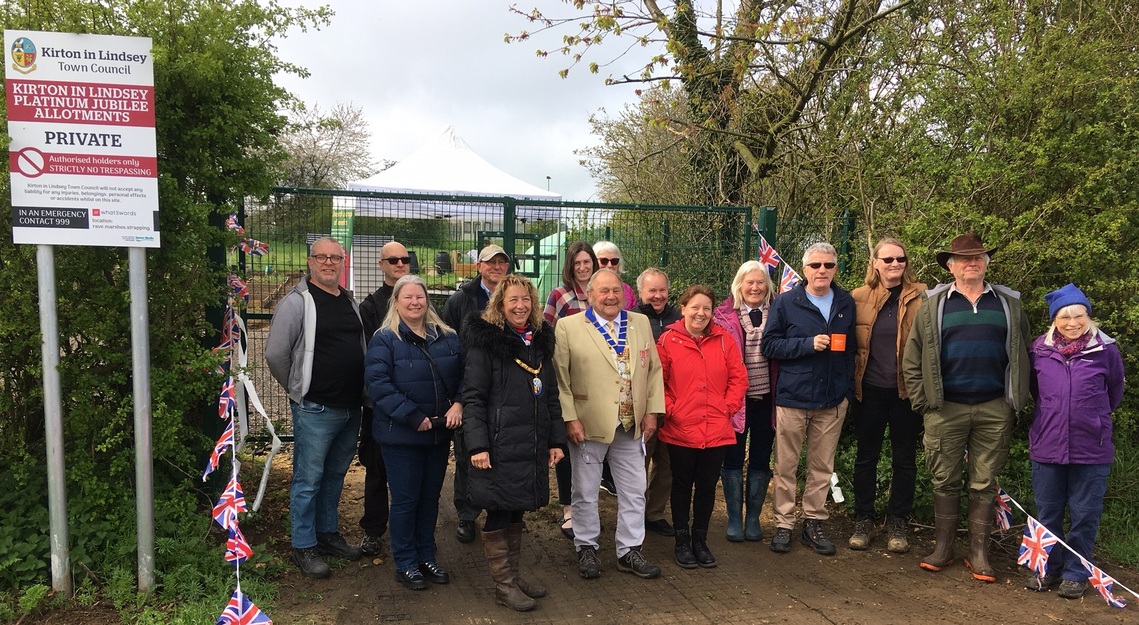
(751,584)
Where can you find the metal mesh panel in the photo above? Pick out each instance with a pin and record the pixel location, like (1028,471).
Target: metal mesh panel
(443,233)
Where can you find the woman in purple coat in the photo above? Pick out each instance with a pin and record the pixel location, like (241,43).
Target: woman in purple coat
(1077,381)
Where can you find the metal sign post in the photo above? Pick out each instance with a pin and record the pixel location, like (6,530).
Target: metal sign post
(53,423)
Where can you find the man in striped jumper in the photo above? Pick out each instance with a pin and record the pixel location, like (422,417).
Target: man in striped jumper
(966,370)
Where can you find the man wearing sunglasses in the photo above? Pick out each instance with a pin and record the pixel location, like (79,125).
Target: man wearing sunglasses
(471,299)
(395,263)
(806,335)
(966,369)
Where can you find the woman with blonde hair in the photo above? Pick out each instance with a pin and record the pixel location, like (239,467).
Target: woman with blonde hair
(512,427)
(742,316)
(413,372)
(885,308)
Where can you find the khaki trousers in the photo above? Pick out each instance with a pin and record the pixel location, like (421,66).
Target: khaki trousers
(660,479)
(985,429)
(821,429)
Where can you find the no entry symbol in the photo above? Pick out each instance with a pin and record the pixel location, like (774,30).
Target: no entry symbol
(30,162)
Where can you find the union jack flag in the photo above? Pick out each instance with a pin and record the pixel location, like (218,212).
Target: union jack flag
(224,442)
(227,401)
(767,254)
(1103,582)
(238,286)
(253,247)
(1003,511)
(231,503)
(233,224)
(237,549)
(241,611)
(789,280)
(1036,547)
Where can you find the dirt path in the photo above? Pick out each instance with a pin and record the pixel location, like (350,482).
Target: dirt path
(750,585)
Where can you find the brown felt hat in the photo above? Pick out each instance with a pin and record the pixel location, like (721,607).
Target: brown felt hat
(967,244)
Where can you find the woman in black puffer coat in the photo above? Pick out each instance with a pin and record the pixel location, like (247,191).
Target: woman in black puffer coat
(512,426)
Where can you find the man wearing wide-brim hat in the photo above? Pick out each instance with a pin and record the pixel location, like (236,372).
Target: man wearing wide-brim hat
(966,370)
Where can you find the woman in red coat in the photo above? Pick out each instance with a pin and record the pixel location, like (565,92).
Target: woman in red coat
(704,385)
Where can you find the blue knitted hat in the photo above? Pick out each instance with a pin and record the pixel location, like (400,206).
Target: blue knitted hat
(1066,296)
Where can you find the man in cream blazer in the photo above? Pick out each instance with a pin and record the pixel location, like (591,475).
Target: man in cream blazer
(612,393)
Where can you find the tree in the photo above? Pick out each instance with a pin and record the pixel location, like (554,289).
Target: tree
(217,124)
(327,151)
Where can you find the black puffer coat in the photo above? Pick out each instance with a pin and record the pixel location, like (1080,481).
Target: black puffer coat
(502,415)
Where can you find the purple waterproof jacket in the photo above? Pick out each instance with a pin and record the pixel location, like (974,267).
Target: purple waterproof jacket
(1074,399)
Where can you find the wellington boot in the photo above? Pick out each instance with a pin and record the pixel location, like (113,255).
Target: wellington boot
(514,542)
(733,481)
(757,481)
(980,529)
(945,511)
(506,592)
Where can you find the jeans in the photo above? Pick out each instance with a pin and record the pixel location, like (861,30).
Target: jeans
(415,476)
(324,442)
(1081,488)
(882,408)
(464,509)
(695,473)
(375,519)
(758,446)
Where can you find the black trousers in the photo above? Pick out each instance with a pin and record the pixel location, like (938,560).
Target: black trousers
(695,473)
(881,408)
(759,443)
(375,519)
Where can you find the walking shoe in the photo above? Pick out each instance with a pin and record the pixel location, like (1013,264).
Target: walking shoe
(685,559)
(465,531)
(310,563)
(433,573)
(781,541)
(371,545)
(609,487)
(1050,581)
(333,544)
(700,549)
(661,527)
(814,537)
(588,566)
(1072,590)
(634,562)
(411,579)
(896,530)
(860,539)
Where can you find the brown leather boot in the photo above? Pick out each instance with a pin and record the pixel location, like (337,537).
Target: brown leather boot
(980,529)
(514,542)
(945,511)
(506,592)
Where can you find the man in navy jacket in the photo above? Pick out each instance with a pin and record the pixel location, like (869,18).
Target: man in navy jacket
(806,333)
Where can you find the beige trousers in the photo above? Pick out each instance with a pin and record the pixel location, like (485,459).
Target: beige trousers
(821,429)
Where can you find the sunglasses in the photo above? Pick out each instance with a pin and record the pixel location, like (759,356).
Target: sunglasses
(608,261)
(395,260)
(890,260)
(817,265)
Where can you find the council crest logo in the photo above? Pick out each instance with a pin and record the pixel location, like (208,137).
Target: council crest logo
(24,55)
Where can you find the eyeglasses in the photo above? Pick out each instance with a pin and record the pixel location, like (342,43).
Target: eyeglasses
(889,260)
(395,260)
(327,258)
(817,265)
(608,261)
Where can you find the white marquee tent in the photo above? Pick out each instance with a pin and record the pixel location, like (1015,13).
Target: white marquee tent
(446,165)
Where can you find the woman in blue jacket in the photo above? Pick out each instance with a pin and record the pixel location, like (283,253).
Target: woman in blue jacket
(414,371)
(1077,381)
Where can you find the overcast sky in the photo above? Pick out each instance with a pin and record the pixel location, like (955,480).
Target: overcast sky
(414,67)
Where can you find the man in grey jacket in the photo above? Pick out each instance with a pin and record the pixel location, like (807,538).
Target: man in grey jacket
(315,350)
(966,369)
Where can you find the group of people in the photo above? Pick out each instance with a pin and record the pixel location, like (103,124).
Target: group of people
(660,402)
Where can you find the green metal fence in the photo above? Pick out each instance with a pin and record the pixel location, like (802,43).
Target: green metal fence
(693,244)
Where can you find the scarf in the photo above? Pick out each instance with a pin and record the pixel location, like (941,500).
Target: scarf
(1070,347)
(758,373)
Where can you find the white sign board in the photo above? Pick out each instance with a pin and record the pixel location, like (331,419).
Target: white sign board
(83,157)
